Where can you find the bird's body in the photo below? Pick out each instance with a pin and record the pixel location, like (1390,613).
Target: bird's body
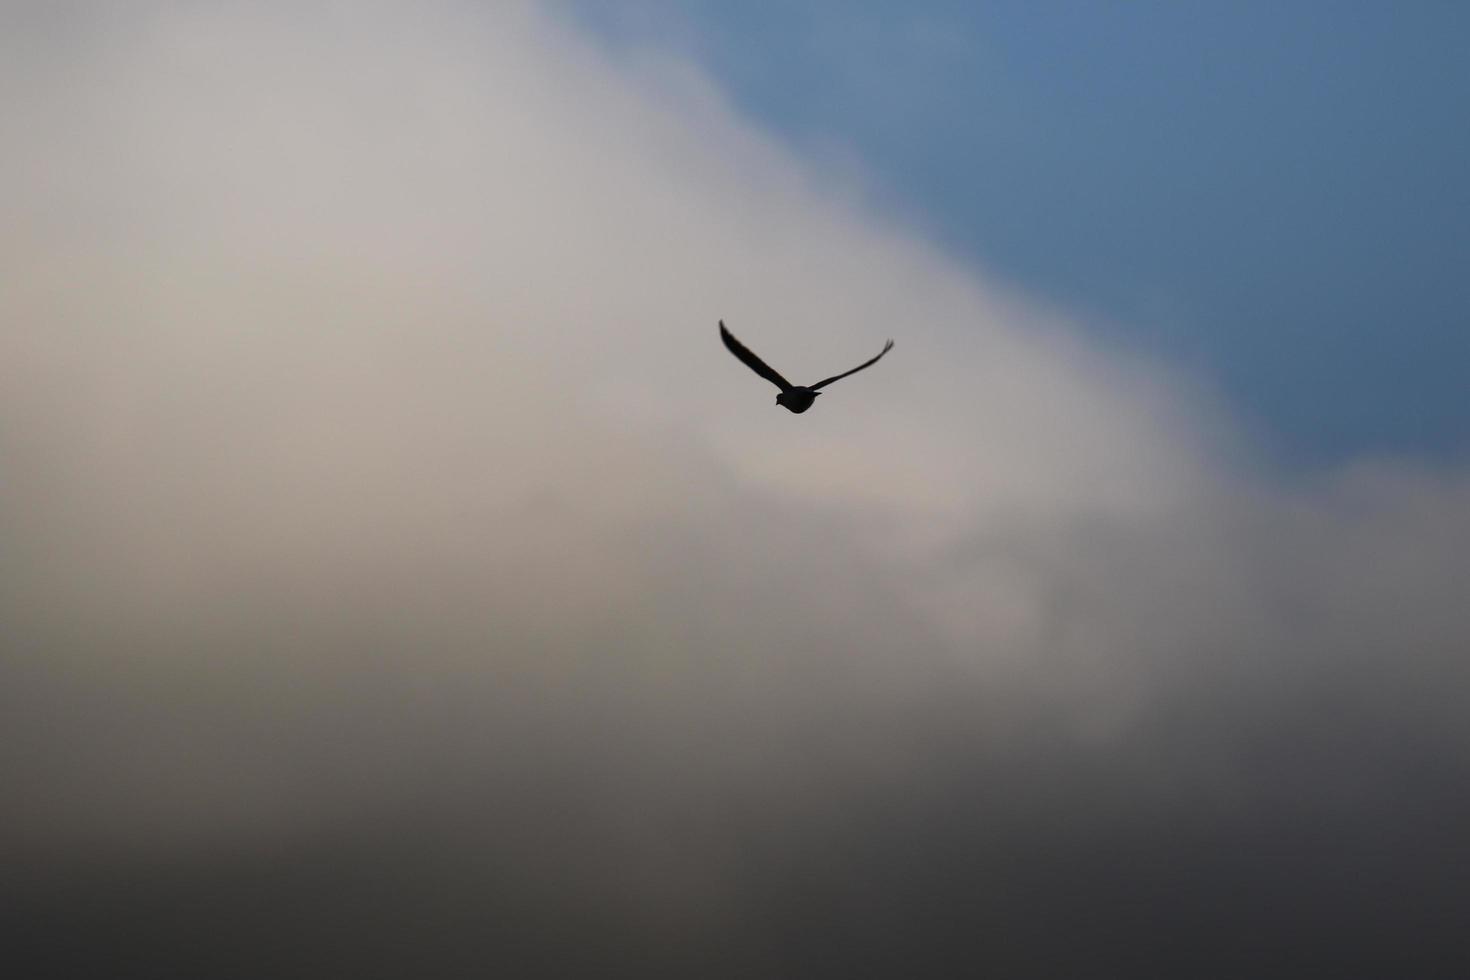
(793,398)
(797,399)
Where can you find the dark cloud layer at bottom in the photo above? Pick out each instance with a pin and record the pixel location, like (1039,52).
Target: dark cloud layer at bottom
(934,888)
(576,825)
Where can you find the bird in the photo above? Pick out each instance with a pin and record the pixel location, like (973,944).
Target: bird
(793,398)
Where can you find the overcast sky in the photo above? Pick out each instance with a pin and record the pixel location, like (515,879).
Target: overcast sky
(399,578)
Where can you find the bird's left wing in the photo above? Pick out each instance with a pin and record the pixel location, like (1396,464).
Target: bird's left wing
(838,377)
(757,365)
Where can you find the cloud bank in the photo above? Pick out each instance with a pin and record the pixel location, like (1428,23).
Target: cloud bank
(399,576)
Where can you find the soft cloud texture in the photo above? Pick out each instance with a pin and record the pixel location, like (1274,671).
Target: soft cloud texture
(399,575)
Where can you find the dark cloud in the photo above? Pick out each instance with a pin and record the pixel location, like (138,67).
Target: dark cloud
(399,579)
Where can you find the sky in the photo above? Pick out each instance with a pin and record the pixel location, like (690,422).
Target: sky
(399,577)
(1273,194)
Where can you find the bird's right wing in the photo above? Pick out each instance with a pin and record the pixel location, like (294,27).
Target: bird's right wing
(838,377)
(757,365)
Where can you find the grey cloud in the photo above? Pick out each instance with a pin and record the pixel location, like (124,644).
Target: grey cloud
(399,577)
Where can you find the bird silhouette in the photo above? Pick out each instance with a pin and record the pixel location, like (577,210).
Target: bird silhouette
(793,398)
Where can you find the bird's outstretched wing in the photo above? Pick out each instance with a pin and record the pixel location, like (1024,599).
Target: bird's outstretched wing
(757,365)
(838,377)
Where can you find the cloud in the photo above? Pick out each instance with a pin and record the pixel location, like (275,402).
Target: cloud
(399,572)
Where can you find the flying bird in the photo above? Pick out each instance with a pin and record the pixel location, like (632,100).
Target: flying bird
(793,398)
